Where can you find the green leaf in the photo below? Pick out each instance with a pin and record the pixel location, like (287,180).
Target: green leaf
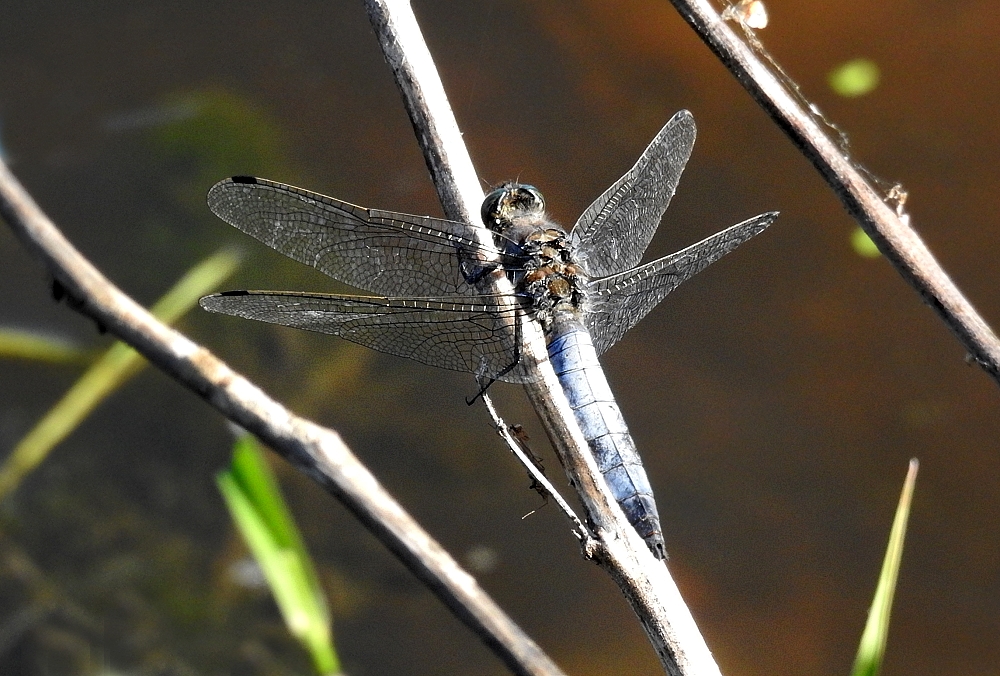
(873,640)
(263,518)
(854,78)
(108,373)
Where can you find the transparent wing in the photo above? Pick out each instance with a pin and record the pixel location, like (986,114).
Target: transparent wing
(466,334)
(616,303)
(612,234)
(379,251)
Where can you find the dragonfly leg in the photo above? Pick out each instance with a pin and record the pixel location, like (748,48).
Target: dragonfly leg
(481,371)
(482,388)
(474,272)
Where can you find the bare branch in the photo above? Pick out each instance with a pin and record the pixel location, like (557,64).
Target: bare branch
(316,451)
(618,548)
(897,241)
(427,105)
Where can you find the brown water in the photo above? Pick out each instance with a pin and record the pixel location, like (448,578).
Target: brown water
(776,398)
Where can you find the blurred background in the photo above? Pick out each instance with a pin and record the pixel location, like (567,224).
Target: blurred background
(776,398)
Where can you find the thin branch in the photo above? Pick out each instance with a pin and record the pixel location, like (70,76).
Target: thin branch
(617,548)
(427,105)
(316,451)
(897,241)
(536,473)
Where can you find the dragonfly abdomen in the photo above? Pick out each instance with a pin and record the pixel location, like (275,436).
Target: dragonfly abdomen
(575,362)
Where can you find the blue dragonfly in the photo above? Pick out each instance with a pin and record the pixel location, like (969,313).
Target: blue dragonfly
(585,288)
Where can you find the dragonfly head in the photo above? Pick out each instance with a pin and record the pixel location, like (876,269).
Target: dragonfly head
(510,201)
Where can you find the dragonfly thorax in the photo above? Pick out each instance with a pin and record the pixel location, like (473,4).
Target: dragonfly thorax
(553,281)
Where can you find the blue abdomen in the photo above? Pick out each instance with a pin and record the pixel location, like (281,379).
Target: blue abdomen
(575,362)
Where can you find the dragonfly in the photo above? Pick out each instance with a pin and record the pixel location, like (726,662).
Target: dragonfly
(584,288)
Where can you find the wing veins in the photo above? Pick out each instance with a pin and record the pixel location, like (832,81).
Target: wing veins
(351,243)
(618,302)
(456,333)
(613,232)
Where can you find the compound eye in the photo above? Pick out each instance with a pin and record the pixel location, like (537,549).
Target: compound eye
(534,198)
(490,211)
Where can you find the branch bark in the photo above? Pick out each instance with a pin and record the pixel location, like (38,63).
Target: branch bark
(897,241)
(314,450)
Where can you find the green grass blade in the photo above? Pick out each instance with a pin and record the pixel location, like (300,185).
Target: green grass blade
(20,344)
(873,640)
(108,373)
(263,518)
(199,280)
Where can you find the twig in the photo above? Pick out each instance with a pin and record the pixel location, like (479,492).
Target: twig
(645,582)
(899,243)
(316,451)
(536,474)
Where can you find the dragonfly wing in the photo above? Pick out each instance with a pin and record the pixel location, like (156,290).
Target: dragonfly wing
(616,303)
(380,251)
(612,234)
(463,334)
